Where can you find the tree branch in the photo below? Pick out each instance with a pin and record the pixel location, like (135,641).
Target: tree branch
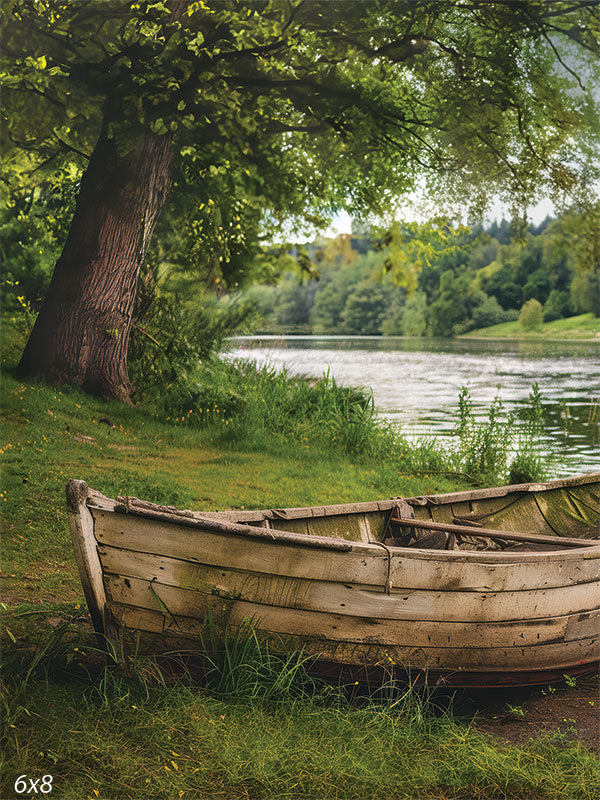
(71,148)
(43,164)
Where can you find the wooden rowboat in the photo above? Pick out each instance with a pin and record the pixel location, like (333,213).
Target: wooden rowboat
(364,587)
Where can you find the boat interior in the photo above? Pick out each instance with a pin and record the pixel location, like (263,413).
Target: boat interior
(540,520)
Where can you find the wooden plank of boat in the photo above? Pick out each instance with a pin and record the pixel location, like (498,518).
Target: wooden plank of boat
(508,513)
(484,500)
(568,507)
(358,600)
(348,626)
(503,491)
(514,508)
(485,571)
(490,678)
(372,652)
(86,552)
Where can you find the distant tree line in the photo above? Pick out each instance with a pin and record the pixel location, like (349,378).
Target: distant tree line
(484,278)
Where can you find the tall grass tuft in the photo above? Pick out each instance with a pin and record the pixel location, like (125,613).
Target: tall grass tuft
(482,445)
(235,662)
(261,407)
(528,462)
(489,447)
(61,654)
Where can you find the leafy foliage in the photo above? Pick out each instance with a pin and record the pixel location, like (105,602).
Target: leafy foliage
(557,306)
(528,464)
(365,308)
(35,220)
(170,343)
(486,444)
(285,111)
(531,315)
(483,445)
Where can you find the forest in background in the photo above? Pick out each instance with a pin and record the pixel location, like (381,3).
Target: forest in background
(352,284)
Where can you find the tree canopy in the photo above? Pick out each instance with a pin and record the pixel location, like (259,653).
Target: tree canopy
(264,111)
(309,104)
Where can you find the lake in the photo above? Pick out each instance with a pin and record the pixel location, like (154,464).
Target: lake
(415,382)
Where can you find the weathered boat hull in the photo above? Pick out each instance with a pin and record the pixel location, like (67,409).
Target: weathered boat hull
(321,579)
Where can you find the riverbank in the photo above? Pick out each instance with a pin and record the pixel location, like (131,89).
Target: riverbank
(584,327)
(102,733)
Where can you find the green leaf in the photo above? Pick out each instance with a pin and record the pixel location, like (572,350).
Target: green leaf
(158,126)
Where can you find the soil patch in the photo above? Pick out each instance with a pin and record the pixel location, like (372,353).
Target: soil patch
(517,716)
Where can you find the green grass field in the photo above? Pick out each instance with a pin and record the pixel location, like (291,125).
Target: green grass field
(102,733)
(583,326)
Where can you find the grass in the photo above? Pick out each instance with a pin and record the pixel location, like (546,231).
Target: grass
(112,736)
(309,411)
(256,727)
(583,326)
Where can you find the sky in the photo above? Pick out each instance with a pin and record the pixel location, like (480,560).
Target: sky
(342,222)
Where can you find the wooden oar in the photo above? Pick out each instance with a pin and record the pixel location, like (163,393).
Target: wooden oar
(489,533)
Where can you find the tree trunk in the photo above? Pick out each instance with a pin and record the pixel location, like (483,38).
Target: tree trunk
(82,332)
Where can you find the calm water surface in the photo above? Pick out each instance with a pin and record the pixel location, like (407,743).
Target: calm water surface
(415,382)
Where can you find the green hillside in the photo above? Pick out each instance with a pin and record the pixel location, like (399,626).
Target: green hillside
(583,326)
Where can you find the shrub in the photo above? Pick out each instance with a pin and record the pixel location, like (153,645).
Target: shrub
(531,315)
(488,312)
(414,319)
(488,449)
(392,324)
(171,342)
(34,227)
(482,445)
(529,464)
(585,291)
(511,315)
(365,308)
(537,286)
(526,468)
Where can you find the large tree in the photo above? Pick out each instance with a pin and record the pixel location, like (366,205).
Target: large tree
(268,108)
